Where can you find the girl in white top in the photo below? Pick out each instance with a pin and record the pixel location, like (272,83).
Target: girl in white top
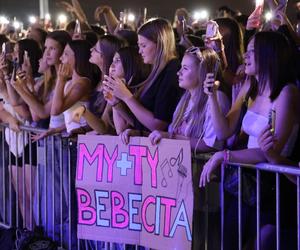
(40,106)
(69,94)
(268,61)
(192,118)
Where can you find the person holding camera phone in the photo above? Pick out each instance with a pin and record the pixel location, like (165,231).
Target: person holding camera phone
(272,87)
(154,103)
(191,119)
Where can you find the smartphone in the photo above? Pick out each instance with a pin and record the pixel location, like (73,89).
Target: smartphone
(122,20)
(182,21)
(15,69)
(211,29)
(216,69)
(271,121)
(3,48)
(77,29)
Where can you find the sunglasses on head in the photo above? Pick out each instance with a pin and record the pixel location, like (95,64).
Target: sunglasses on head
(195,51)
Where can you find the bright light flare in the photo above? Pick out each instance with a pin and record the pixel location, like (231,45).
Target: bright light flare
(32,19)
(131,17)
(201,15)
(268,16)
(3,20)
(259,3)
(62,18)
(17,25)
(47,16)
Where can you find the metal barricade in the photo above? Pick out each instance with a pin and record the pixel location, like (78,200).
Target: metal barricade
(38,189)
(277,171)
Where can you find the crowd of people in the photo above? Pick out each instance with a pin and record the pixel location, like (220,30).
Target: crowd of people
(230,86)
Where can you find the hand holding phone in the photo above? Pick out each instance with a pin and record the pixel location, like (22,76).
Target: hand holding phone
(15,69)
(212,29)
(182,22)
(122,20)
(271,122)
(216,68)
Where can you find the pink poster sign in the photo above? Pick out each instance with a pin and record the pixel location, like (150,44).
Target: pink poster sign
(137,193)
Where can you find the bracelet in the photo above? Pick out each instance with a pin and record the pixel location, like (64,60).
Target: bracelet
(226,156)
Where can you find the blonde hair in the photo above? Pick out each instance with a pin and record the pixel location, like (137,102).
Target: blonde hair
(49,83)
(160,32)
(196,116)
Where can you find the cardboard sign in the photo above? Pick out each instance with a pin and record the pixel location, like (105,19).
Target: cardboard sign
(136,193)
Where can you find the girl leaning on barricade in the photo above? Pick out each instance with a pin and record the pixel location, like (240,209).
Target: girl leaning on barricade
(97,114)
(154,103)
(26,53)
(74,82)
(191,119)
(270,90)
(40,103)
(40,106)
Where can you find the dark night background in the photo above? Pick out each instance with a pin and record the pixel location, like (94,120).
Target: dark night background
(164,8)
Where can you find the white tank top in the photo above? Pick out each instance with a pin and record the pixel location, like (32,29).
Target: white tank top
(254,123)
(69,112)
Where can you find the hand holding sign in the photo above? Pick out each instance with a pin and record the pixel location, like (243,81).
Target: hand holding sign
(155,137)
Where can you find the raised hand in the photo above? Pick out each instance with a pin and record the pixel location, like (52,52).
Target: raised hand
(101,10)
(109,97)
(67,6)
(210,85)
(26,66)
(64,72)
(254,19)
(117,87)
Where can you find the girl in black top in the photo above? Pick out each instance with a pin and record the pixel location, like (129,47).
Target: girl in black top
(154,103)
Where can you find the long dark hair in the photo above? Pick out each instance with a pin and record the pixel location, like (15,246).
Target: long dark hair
(109,44)
(233,42)
(273,62)
(134,68)
(82,53)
